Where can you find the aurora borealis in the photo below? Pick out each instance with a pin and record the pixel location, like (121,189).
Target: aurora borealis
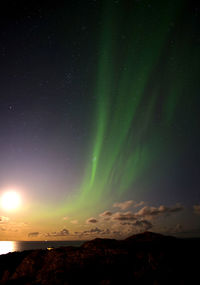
(99,118)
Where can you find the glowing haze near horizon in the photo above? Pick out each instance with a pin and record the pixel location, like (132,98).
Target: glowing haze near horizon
(100,118)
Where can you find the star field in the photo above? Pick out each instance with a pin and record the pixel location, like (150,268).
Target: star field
(99,105)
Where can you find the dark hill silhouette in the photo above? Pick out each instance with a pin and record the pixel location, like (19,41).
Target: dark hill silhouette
(147,258)
(148,236)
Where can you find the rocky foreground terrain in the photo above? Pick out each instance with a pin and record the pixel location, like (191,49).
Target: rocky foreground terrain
(146,258)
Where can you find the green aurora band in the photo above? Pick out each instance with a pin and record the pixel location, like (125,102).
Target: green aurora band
(120,152)
(142,78)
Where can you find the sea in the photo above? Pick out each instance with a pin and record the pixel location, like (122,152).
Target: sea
(12,246)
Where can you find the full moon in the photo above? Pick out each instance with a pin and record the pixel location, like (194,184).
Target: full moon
(10,200)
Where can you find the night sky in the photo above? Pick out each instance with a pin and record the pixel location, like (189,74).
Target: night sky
(99,118)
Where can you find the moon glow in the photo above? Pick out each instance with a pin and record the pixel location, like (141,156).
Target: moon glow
(10,201)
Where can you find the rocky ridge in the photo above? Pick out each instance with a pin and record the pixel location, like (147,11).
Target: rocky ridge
(146,258)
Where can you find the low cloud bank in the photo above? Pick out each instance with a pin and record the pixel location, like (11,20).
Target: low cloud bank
(62,233)
(33,234)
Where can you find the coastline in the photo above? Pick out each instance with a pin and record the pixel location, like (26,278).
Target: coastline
(146,258)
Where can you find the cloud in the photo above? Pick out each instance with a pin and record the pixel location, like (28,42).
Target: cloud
(65,218)
(139,204)
(106,232)
(106,214)
(123,205)
(94,231)
(62,233)
(124,223)
(176,208)
(150,212)
(92,220)
(33,234)
(74,222)
(3,229)
(144,224)
(196,209)
(4,219)
(128,216)
(117,233)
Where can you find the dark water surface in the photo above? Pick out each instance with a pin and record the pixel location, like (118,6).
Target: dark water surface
(11,246)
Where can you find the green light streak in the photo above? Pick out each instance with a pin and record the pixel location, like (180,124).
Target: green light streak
(119,102)
(126,139)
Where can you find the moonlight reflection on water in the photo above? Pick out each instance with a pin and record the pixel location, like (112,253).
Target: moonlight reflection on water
(11,246)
